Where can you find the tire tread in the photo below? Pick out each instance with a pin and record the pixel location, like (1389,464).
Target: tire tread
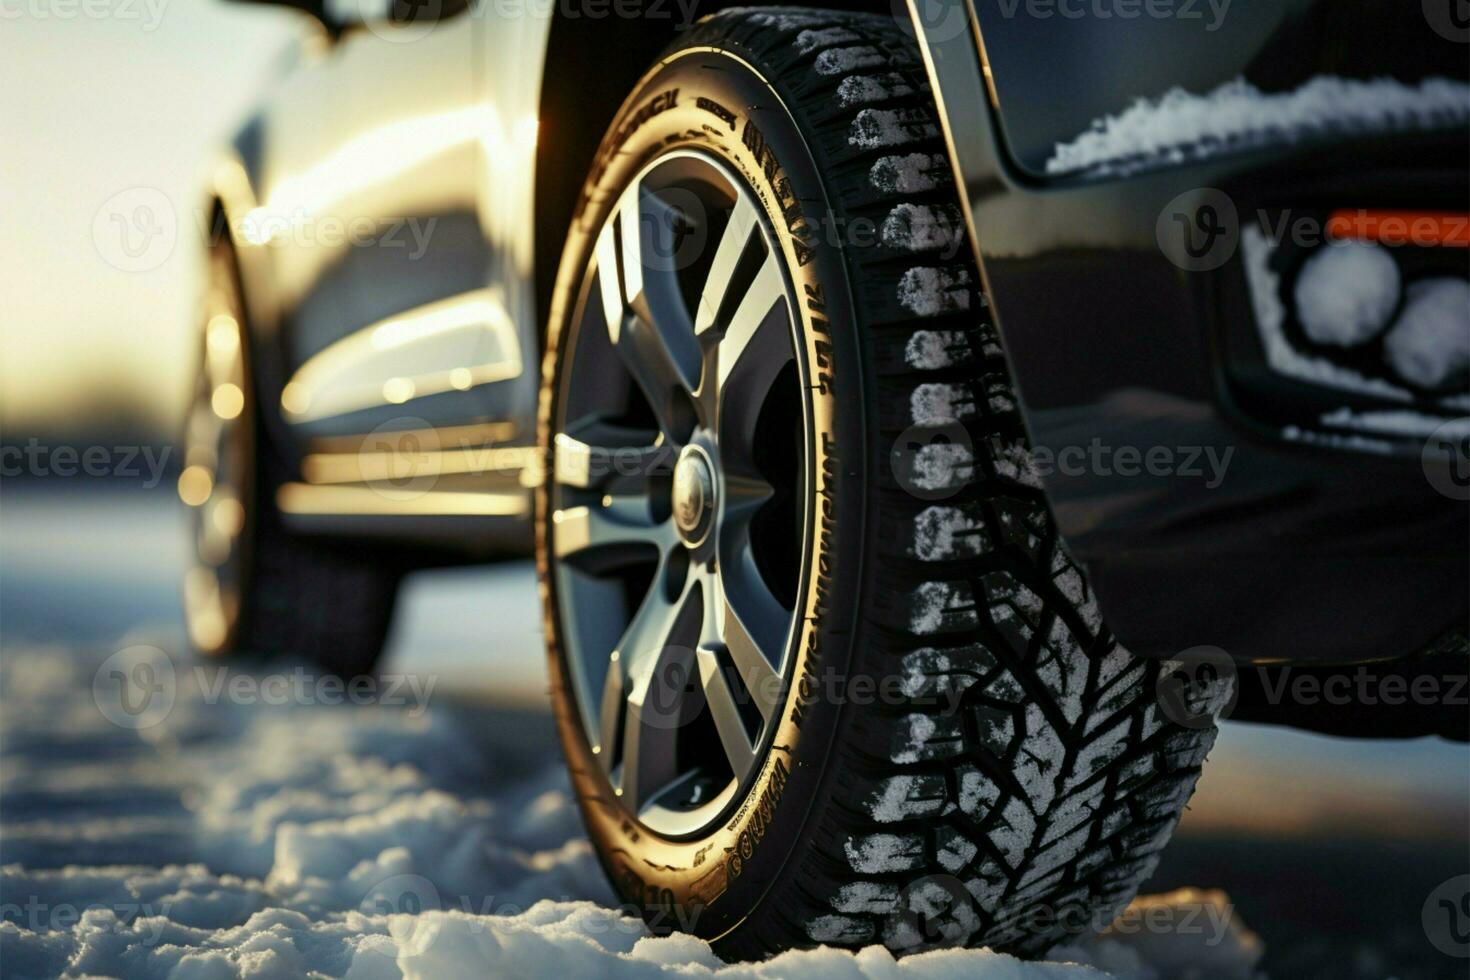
(1057,781)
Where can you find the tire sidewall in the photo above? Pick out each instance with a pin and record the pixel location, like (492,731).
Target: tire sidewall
(704,98)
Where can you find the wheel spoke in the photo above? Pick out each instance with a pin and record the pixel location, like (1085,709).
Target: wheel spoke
(620,524)
(752,352)
(743,495)
(720,700)
(756,313)
(645,352)
(655,713)
(752,626)
(647,320)
(643,697)
(736,237)
(640,643)
(595,456)
(610,714)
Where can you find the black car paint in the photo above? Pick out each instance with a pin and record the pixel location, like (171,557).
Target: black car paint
(1297,554)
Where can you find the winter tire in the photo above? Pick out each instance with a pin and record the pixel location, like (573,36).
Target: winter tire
(823,671)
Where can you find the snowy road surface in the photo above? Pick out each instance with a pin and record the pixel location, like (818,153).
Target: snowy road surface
(155,827)
(162,818)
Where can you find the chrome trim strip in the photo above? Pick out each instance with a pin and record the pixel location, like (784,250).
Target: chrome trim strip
(468,435)
(366,467)
(305,499)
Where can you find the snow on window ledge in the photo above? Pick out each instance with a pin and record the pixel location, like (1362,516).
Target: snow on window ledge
(1181,127)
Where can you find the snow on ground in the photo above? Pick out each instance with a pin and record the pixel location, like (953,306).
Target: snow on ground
(163,819)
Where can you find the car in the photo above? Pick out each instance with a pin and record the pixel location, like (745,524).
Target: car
(926,422)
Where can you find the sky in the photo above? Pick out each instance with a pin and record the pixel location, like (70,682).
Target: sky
(99,99)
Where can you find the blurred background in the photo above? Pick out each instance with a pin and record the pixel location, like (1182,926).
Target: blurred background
(1328,847)
(97,106)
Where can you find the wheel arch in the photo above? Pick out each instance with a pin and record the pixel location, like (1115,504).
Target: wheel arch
(616,51)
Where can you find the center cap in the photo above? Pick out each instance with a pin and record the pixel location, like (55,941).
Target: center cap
(694,495)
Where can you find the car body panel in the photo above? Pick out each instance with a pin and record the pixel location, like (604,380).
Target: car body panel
(1059,65)
(1291,552)
(380,202)
(1277,551)
(390,195)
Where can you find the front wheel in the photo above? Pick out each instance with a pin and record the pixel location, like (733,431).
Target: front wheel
(822,669)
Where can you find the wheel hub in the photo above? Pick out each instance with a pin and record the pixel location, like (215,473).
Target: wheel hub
(694,496)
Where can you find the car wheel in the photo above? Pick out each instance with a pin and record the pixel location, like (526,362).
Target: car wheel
(254,588)
(823,671)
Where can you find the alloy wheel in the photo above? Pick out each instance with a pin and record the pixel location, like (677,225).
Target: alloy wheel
(677,492)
